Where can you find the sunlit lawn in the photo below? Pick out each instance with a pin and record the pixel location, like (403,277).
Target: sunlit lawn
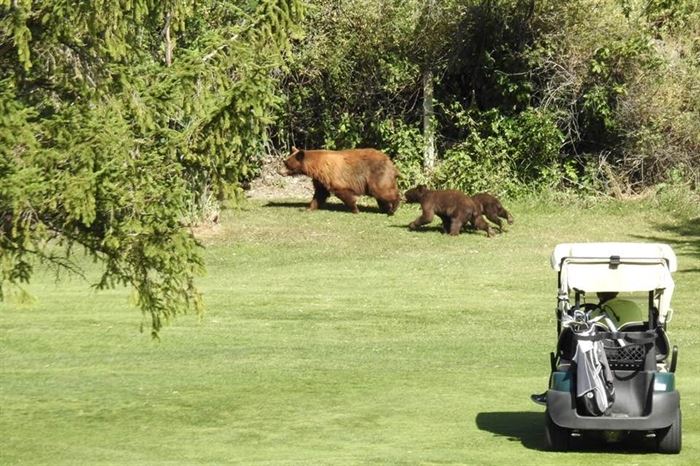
(329,338)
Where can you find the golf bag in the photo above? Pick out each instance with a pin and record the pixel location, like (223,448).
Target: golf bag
(594,380)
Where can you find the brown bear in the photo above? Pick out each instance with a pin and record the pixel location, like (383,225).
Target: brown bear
(453,207)
(347,174)
(491,207)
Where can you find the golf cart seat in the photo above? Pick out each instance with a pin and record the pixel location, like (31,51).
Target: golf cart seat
(623,315)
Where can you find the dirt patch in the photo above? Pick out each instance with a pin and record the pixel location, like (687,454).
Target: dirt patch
(207,231)
(272,185)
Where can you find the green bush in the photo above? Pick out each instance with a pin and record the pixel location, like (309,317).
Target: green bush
(676,196)
(503,154)
(404,144)
(621,78)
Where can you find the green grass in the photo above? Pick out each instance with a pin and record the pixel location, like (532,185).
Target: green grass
(329,338)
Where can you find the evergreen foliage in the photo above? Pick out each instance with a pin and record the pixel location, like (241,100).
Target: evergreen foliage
(105,144)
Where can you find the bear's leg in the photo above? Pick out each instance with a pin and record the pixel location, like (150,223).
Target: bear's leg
(393,197)
(320,195)
(455,226)
(446,223)
(384,206)
(492,214)
(505,214)
(349,199)
(388,206)
(425,218)
(388,198)
(394,205)
(481,224)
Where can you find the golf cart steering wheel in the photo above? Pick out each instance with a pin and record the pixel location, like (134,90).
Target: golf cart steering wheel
(588,307)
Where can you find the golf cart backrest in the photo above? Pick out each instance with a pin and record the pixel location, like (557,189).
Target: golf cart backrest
(616,267)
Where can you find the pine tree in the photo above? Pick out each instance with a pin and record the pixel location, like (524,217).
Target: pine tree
(114,118)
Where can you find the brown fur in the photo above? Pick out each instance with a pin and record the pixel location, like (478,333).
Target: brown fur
(453,207)
(491,207)
(347,174)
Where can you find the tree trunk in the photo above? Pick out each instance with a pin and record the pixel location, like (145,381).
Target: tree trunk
(168,41)
(428,125)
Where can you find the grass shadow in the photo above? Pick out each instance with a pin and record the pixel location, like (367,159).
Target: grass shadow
(290,205)
(524,427)
(333,207)
(432,228)
(424,229)
(683,236)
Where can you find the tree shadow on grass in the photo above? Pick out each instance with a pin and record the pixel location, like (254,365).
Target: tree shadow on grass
(331,206)
(683,237)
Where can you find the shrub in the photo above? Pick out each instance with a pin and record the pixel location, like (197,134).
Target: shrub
(504,154)
(404,144)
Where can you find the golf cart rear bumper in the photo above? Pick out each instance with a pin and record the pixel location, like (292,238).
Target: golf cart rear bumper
(562,410)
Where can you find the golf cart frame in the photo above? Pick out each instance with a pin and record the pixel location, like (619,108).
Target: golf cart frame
(640,358)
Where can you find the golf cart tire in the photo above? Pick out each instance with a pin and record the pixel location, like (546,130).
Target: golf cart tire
(669,439)
(555,438)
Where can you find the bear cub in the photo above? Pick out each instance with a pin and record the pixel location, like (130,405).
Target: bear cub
(453,207)
(491,207)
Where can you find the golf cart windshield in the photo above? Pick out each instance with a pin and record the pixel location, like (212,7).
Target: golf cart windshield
(616,267)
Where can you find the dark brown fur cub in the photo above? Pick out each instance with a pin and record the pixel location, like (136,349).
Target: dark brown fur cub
(346,174)
(453,207)
(491,207)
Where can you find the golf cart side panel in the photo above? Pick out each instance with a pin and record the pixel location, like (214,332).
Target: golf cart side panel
(562,409)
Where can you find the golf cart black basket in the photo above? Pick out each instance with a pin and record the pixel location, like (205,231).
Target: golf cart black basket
(630,357)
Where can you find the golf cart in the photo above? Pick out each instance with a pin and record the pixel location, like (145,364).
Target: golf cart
(613,372)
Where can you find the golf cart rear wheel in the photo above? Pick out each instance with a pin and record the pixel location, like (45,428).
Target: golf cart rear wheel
(669,438)
(555,438)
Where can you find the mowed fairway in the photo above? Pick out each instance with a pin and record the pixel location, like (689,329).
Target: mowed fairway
(328,338)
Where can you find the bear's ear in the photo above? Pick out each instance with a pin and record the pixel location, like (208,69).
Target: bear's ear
(421,188)
(297,154)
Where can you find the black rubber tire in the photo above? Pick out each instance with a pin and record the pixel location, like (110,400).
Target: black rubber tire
(670,439)
(555,438)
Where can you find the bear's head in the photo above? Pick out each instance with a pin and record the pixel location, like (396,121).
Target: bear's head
(416,194)
(293,164)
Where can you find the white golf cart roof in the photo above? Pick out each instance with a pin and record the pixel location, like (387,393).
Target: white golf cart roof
(617,267)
